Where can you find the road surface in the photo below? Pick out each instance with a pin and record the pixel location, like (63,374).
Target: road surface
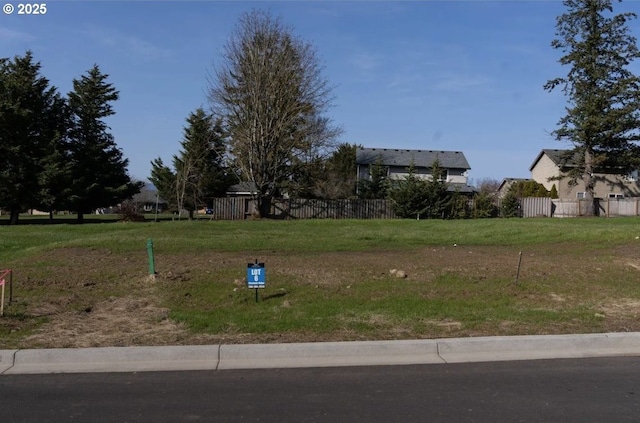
(563,390)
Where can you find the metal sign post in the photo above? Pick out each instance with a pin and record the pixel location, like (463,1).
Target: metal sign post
(256,276)
(2,298)
(3,278)
(152,264)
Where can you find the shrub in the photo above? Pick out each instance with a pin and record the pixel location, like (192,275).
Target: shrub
(128,212)
(483,206)
(510,206)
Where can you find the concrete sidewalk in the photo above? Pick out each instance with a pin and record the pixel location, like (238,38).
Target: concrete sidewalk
(322,354)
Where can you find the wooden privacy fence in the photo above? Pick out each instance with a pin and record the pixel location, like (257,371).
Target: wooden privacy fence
(231,208)
(332,209)
(607,207)
(237,208)
(619,207)
(536,207)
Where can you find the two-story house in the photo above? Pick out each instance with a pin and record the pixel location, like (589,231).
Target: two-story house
(454,165)
(551,167)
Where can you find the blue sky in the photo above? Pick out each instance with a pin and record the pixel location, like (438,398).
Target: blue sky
(437,75)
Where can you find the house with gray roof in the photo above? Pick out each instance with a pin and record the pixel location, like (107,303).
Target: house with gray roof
(551,167)
(397,161)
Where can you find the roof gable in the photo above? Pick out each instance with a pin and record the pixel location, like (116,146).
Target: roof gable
(507,182)
(561,158)
(420,158)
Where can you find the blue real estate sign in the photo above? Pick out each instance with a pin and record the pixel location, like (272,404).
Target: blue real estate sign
(256,275)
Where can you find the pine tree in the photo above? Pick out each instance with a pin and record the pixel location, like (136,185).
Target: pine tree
(437,193)
(410,195)
(341,171)
(603,114)
(28,126)
(377,186)
(55,176)
(99,170)
(522,189)
(199,171)
(164,180)
(510,206)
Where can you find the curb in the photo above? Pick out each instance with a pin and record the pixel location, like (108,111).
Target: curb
(321,354)
(329,354)
(7,360)
(113,359)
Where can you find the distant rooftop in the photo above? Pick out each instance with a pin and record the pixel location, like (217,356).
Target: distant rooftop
(420,158)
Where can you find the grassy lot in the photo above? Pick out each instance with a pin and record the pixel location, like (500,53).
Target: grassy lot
(88,285)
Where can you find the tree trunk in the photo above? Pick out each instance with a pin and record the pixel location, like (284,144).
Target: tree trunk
(80,217)
(15,214)
(264,206)
(587,178)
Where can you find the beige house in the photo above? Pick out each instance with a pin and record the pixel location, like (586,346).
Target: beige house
(551,167)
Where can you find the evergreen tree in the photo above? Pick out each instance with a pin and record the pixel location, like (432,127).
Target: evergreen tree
(164,179)
(522,189)
(377,186)
(437,193)
(55,176)
(483,206)
(410,196)
(199,169)
(199,173)
(510,206)
(328,178)
(341,171)
(414,197)
(99,170)
(603,115)
(457,206)
(28,127)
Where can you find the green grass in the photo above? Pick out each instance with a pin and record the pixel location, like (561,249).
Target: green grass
(349,294)
(315,235)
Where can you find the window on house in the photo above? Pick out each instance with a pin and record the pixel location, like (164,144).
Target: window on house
(581,195)
(614,195)
(444,174)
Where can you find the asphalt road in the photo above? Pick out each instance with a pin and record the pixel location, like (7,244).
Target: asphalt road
(563,390)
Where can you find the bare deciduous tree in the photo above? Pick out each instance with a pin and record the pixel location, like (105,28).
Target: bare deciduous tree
(271,94)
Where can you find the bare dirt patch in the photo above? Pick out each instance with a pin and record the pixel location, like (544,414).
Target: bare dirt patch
(96,298)
(122,321)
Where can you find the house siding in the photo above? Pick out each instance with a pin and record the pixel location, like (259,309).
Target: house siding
(544,169)
(605,184)
(398,161)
